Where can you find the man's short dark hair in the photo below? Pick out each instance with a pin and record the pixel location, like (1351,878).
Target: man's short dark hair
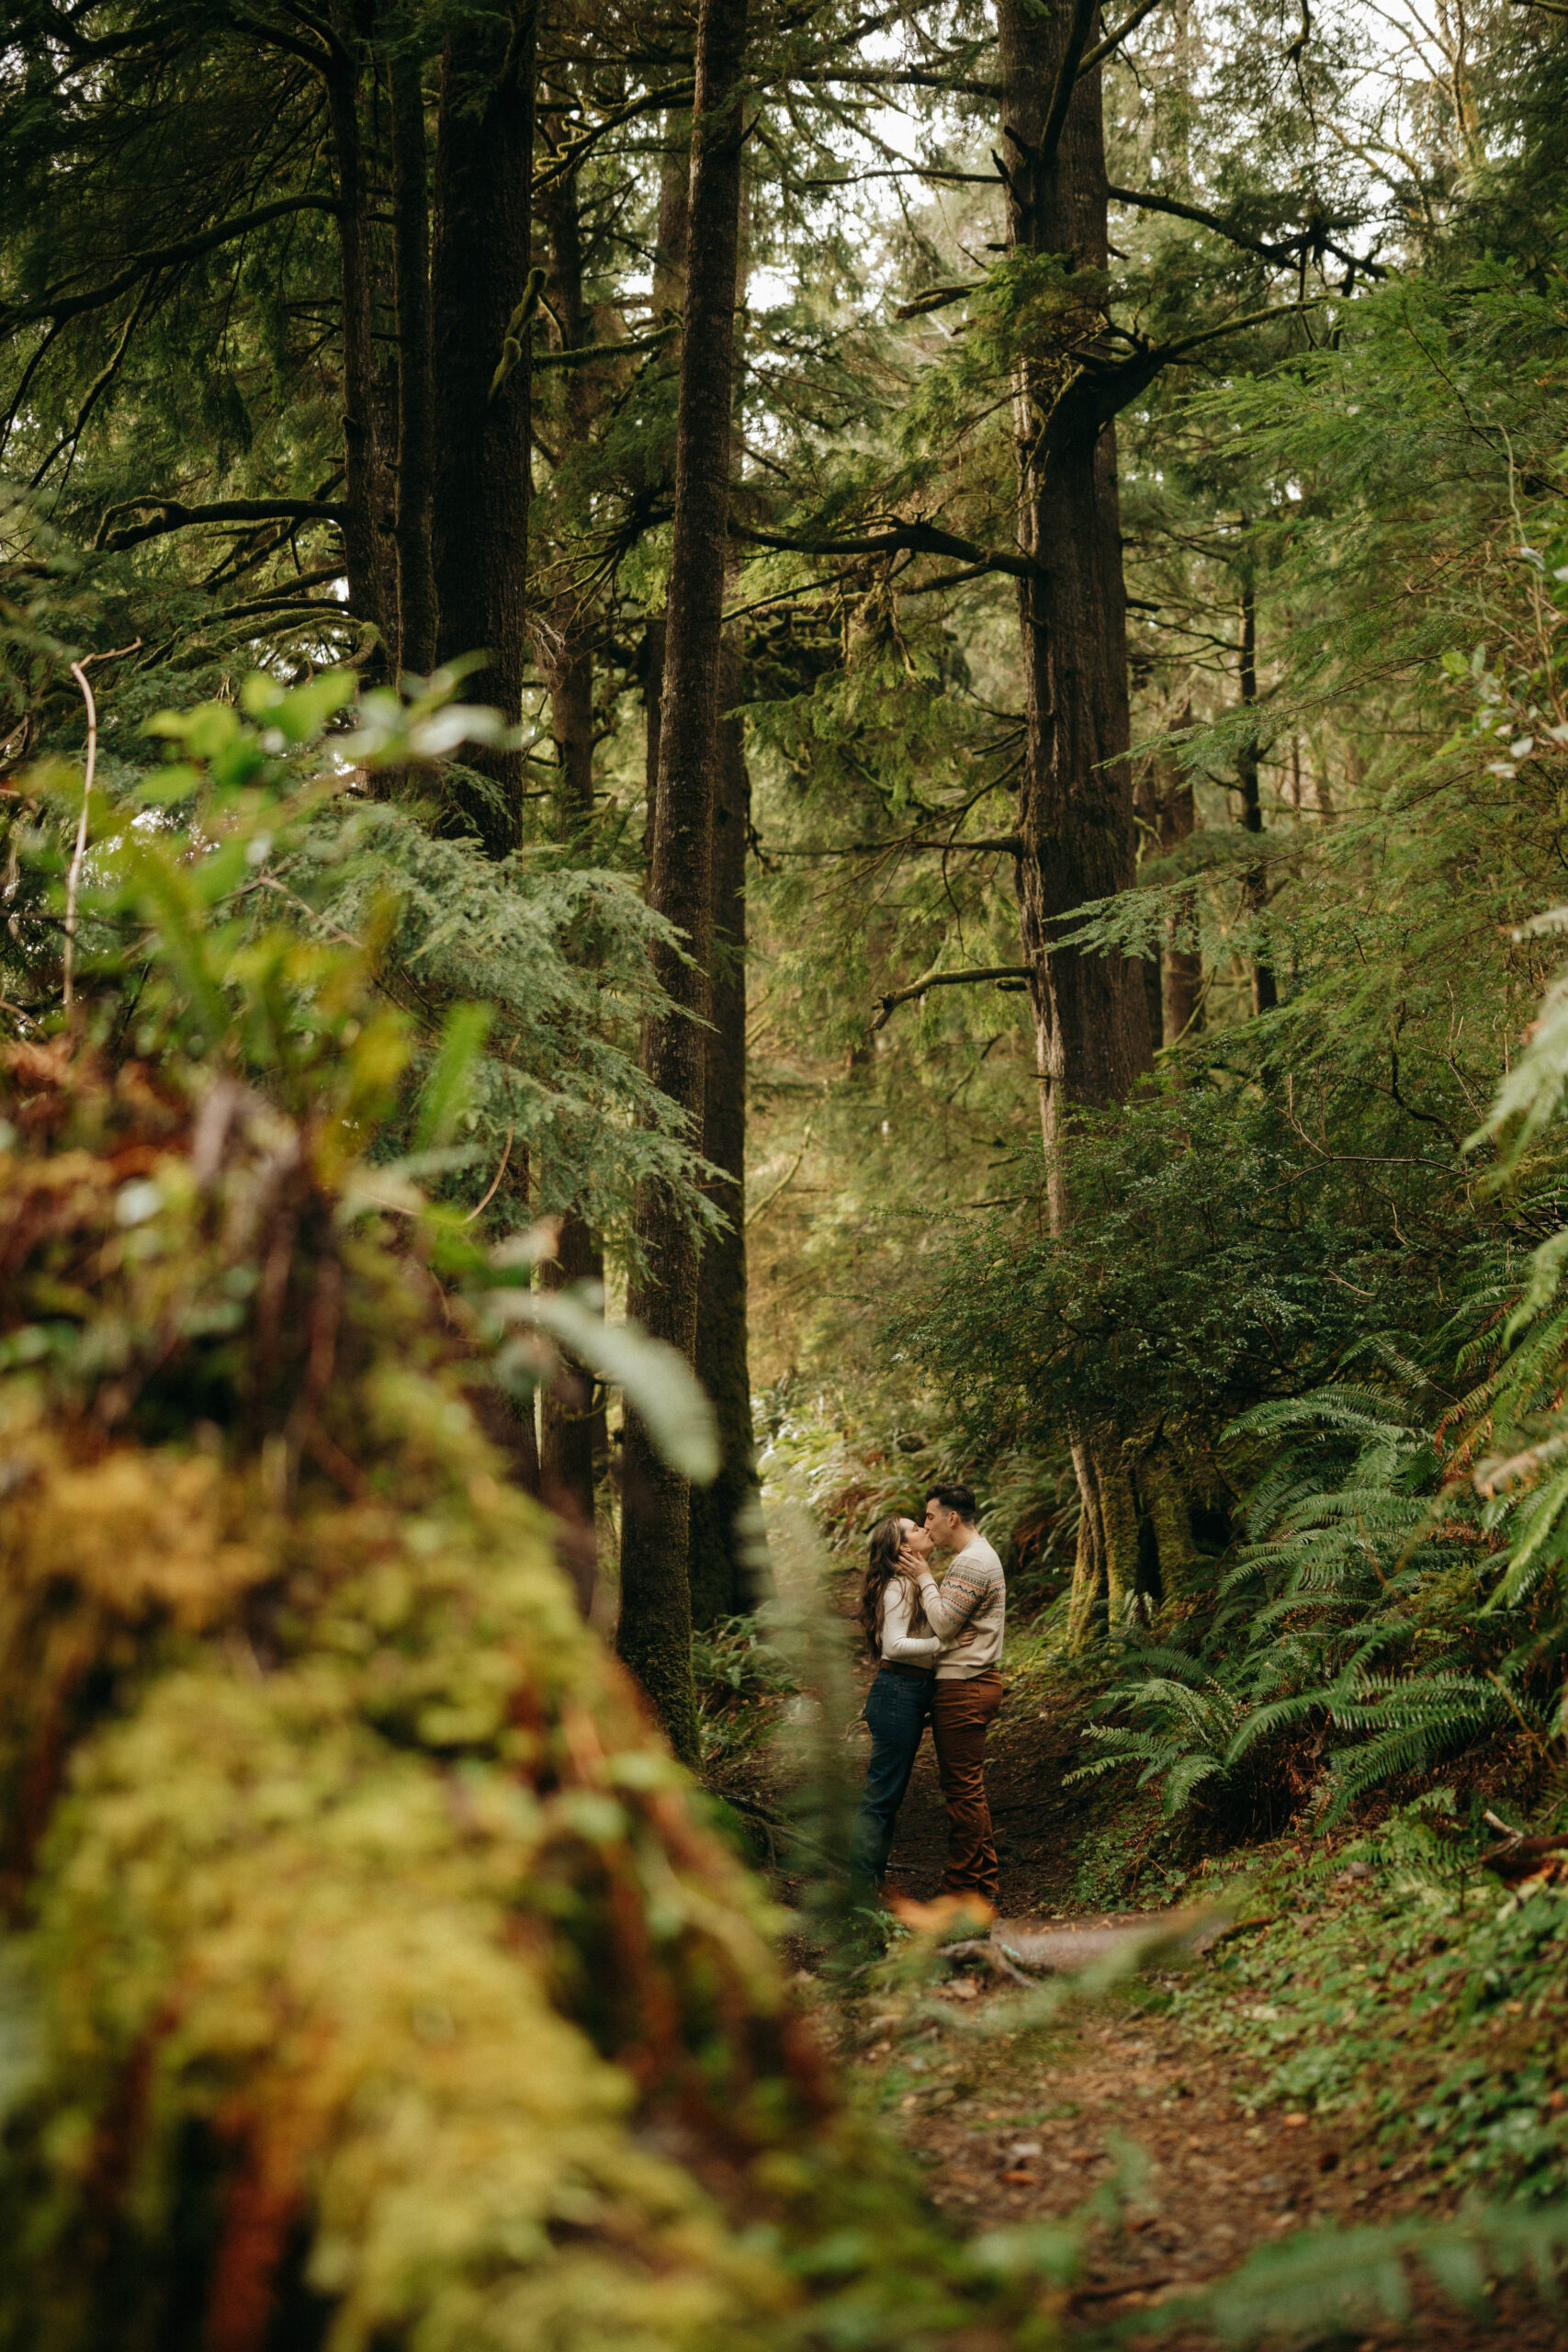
(954,1497)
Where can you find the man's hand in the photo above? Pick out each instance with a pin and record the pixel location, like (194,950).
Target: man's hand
(913,1565)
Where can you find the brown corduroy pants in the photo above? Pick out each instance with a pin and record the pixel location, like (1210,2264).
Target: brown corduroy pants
(962,1714)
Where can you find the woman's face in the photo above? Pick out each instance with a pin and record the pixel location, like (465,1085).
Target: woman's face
(916,1540)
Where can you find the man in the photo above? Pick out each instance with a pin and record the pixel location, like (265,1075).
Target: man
(968,1614)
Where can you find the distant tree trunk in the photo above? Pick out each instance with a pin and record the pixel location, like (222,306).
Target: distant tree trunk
(654,1636)
(1166,806)
(568,1425)
(725,1520)
(569,655)
(728,1548)
(669,300)
(484,147)
(416,391)
(366,497)
(1074,807)
(1264,991)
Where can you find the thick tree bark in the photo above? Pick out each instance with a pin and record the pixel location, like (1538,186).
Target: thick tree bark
(727,1553)
(416,390)
(366,486)
(483,163)
(1075,810)
(654,1636)
(1264,991)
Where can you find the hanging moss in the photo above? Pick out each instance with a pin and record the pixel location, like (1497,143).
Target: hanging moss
(371,1980)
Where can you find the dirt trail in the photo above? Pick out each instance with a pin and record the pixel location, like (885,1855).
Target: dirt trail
(1019,2132)
(1010,2131)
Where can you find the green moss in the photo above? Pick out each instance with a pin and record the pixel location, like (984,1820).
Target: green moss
(371,1977)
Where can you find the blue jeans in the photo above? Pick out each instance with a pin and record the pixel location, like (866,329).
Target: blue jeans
(896,1707)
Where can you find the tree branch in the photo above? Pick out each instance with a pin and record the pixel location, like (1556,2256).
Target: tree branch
(59,307)
(896,77)
(1166,352)
(946,980)
(569,159)
(586,352)
(1007,845)
(176,517)
(1102,49)
(1283,254)
(1067,81)
(916,538)
(939,298)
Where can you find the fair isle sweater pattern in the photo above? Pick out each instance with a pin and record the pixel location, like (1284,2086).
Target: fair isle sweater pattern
(968,1612)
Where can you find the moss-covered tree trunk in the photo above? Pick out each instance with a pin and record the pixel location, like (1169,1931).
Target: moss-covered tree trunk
(654,1635)
(484,146)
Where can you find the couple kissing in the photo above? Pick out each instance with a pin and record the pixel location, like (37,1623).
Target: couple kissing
(939,1652)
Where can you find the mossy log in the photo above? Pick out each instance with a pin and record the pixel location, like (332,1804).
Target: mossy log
(370,1977)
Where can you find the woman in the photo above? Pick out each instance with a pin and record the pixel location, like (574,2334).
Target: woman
(898,1702)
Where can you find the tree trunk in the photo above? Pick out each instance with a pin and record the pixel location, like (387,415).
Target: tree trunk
(569,657)
(570,1427)
(484,146)
(654,1636)
(567,1423)
(1075,808)
(365,499)
(1170,811)
(1075,811)
(1265,992)
(669,300)
(416,390)
(728,1554)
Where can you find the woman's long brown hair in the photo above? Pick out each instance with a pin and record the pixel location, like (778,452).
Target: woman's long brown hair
(886,1541)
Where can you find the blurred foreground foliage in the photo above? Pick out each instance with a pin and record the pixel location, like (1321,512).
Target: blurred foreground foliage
(371,1975)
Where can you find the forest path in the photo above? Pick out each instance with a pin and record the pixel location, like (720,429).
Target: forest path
(1012,2129)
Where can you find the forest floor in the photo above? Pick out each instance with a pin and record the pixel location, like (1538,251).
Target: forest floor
(1119,2094)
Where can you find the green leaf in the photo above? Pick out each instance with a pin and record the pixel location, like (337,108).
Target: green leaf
(445,1094)
(655,1379)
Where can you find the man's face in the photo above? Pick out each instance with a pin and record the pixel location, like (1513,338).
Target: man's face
(942,1525)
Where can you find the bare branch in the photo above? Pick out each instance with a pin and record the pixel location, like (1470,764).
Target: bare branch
(946,980)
